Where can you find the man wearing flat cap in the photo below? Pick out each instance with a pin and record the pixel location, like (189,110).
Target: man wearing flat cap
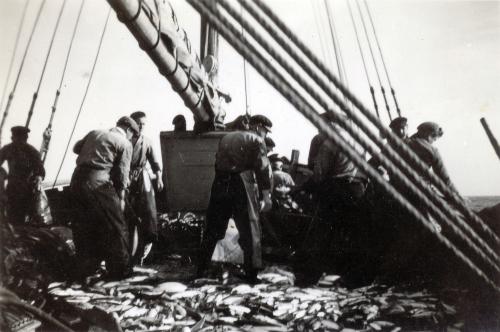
(26,173)
(421,143)
(242,169)
(141,192)
(98,188)
(399,126)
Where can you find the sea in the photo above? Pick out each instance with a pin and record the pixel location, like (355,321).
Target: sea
(478,203)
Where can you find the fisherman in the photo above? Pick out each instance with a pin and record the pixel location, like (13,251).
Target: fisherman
(334,236)
(317,141)
(26,173)
(399,126)
(421,143)
(98,189)
(3,194)
(270,145)
(242,169)
(179,123)
(282,181)
(141,194)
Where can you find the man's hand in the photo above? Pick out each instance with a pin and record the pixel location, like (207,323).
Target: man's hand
(37,181)
(266,203)
(159,182)
(122,194)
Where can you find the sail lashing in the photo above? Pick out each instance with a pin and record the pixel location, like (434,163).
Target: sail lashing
(154,25)
(483,260)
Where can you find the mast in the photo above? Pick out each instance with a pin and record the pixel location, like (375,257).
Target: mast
(155,27)
(491,137)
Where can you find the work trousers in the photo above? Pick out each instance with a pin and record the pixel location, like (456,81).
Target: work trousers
(142,201)
(231,197)
(19,200)
(338,228)
(100,231)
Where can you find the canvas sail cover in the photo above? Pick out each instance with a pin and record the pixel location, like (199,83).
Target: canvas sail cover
(175,39)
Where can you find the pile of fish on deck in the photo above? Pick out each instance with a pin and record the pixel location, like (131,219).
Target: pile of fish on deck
(144,302)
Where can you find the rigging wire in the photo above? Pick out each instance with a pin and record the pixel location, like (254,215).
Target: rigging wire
(11,95)
(373,58)
(11,64)
(317,20)
(48,131)
(47,56)
(372,90)
(393,92)
(84,97)
(332,33)
(337,48)
(247,109)
(264,67)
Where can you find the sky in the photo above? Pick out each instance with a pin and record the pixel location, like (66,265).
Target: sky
(442,57)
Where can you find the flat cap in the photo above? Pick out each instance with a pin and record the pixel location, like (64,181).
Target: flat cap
(274,158)
(398,122)
(138,115)
(178,118)
(19,130)
(128,122)
(262,120)
(269,142)
(430,128)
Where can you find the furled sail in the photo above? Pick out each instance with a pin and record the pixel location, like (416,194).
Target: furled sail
(154,25)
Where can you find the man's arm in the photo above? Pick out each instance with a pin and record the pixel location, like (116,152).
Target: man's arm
(123,170)
(440,170)
(77,148)
(155,165)
(263,173)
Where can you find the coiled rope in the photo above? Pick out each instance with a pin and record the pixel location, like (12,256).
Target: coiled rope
(83,99)
(47,56)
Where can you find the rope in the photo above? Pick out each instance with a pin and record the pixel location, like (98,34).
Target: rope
(11,64)
(395,141)
(84,98)
(372,91)
(382,57)
(332,34)
(11,95)
(320,31)
(247,110)
(277,80)
(373,58)
(35,95)
(316,96)
(336,46)
(48,131)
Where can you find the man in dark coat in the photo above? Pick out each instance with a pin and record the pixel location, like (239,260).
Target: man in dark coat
(421,143)
(98,189)
(141,192)
(26,173)
(241,170)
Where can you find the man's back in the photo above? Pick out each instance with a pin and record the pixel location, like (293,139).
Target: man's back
(23,160)
(240,151)
(106,150)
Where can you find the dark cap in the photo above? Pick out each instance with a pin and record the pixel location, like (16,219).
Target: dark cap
(19,130)
(269,142)
(261,120)
(274,158)
(432,128)
(138,115)
(178,118)
(129,123)
(398,122)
